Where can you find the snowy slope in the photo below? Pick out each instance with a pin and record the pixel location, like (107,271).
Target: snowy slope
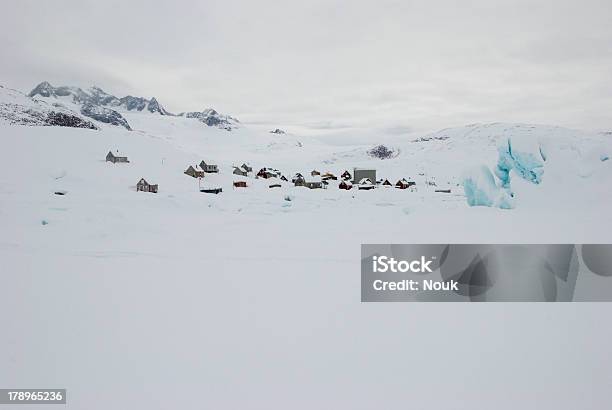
(187,287)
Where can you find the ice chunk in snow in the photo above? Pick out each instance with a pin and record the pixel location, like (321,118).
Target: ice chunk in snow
(523,155)
(481,190)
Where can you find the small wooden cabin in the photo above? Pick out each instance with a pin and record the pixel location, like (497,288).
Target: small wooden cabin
(366,184)
(194,172)
(144,186)
(328,175)
(403,184)
(299,181)
(209,168)
(110,157)
(266,173)
(315,173)
(246,167)
(240,171)
(347,185)
(240,184)
(346,176)
(387,183)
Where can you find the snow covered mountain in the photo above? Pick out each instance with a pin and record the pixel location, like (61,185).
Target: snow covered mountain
(18,109)
(101,106)
(97,97)
(212,118)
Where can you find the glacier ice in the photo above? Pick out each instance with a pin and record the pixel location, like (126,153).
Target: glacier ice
(525,156)
(481,190)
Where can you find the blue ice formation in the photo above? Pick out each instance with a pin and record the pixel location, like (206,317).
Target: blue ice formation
(481,190)
(526,160)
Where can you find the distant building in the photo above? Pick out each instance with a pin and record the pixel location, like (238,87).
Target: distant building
(366,184)
(329,175)
(315,173)
(240,184)
(403,184)
(240,171)
(345,185)
(246,167)
(314,184)
(361,173)
(386,183)
(296,177)
(110,157)
(208,168)
(195,172)
(266,173)
(144,186)
(299,180)
(283,178)
(346,176)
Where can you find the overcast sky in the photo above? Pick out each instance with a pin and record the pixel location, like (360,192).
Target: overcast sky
(392,65)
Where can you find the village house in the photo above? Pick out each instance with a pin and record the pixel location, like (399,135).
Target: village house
(299,180)
(246,167)
(240,184)
(366,184)
(315,173)
(361,173)
(345,185)
(346,176)
(195,172)
(266,173)
(283,178)
(110,157)
(296,177)
(403,184)
(328,175)
(144,186)
(387,183)
(240,171)
(316,183)
(208,168)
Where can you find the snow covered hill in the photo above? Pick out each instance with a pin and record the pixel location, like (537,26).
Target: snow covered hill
(103,275)
(18,109)
(97,104)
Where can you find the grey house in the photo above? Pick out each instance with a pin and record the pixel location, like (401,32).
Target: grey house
(194,172)
(314,185)
(210,168)
(361,173)
(240,171)
(110,157)
(144,186)
(299,181)
(246,167)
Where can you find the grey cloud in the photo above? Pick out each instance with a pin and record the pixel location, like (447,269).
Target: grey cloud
(420,64)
